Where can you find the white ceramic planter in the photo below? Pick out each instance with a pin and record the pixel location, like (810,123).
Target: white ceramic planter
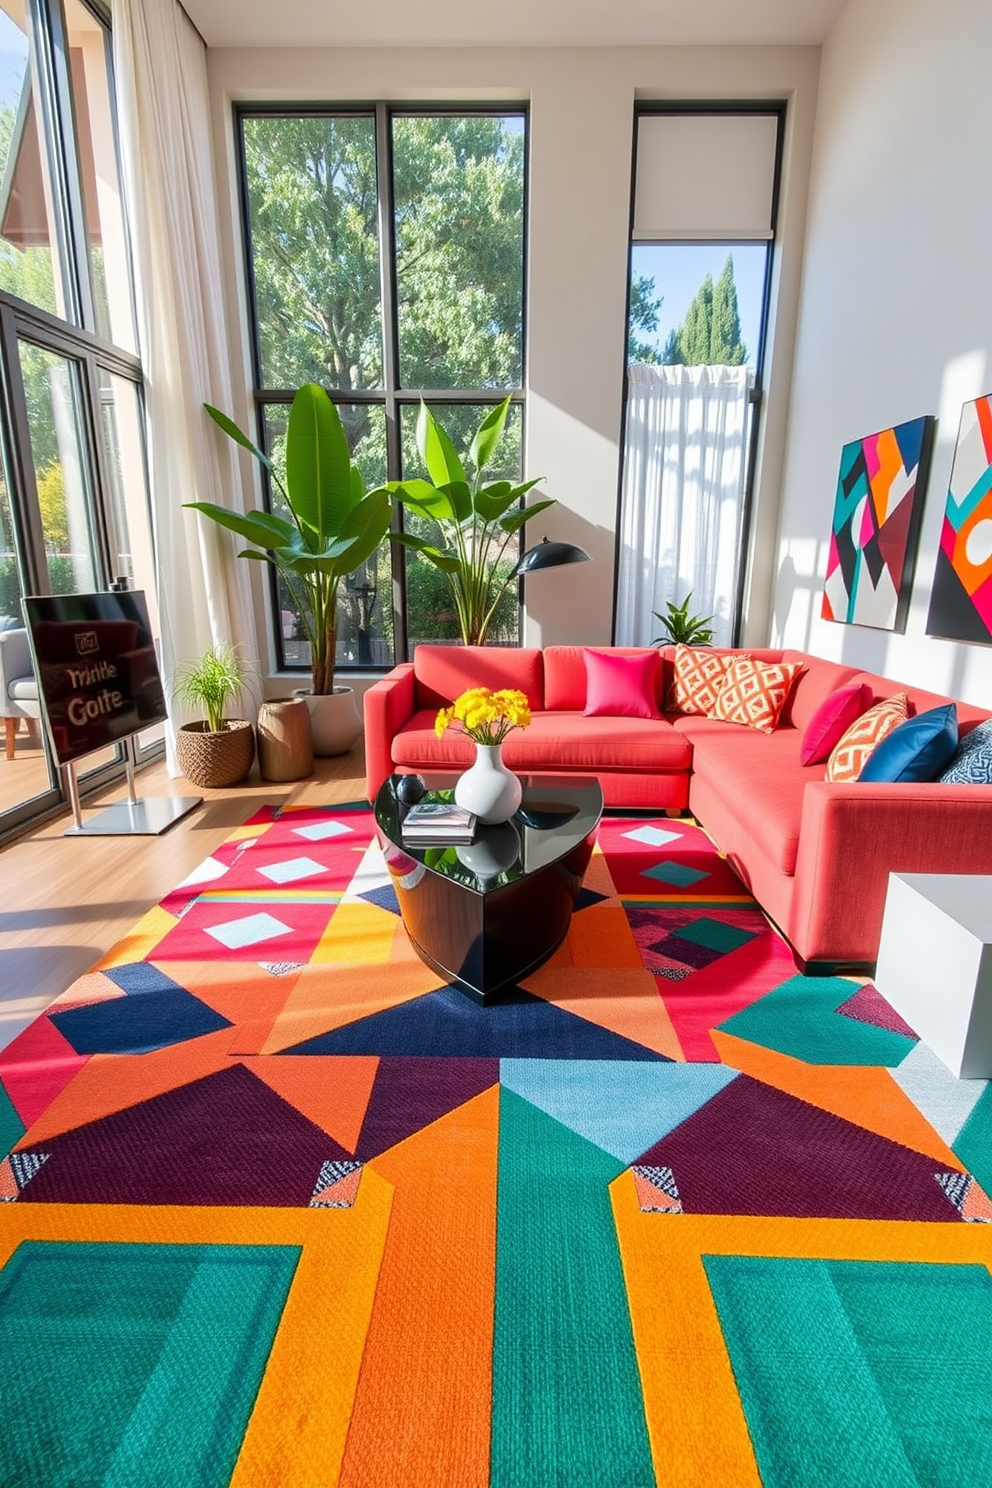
(335,720)
(488,788)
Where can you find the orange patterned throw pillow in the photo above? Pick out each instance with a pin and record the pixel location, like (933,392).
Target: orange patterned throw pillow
(699,675)
(864,736)
(754,693)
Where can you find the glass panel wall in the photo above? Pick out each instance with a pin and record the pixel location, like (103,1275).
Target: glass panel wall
(450,188)
(30,258)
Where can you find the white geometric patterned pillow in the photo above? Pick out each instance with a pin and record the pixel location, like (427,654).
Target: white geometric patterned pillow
(755,692)
(699,674)
(864,736)
(972,764)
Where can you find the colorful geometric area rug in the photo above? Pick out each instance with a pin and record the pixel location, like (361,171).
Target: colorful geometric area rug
(285,1211)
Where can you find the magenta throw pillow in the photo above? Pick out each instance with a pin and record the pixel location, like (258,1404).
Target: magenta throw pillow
(832,720)
(621,686)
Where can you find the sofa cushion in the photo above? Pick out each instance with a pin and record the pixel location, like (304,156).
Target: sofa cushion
(565,674)
(699,674)
(972,761)
(762,770)
(442,673)
(832,720)
(850,754)
(917,750)
(754,693)
(552,741)
(813,685)
(621,686)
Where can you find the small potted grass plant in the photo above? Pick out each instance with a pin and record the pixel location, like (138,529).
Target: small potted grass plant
(214,751)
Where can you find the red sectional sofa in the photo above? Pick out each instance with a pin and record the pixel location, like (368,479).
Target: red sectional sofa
(816,855)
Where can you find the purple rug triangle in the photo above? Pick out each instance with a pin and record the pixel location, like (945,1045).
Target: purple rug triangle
(753,1149)
(384,896)
(446,1022)
(410,1094)
(225,1139)
(869,1006)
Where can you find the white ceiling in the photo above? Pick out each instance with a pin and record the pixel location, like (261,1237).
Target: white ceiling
(363,23)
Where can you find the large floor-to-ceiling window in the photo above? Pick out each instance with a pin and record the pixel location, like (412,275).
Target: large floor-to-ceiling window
(703,232)
(73,504)
(386,262)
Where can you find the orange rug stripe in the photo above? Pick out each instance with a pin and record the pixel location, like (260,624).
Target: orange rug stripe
(297,1431)
(627,1003)
(426,1381)
(696,1425)
(357,932)
(240,991)
(695,1420)
(600,937)
(332,1091)
(299,1427)
(327,997)
(111,1082)
(865,1095)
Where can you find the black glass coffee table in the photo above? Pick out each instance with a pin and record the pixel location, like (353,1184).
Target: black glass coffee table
(487,914)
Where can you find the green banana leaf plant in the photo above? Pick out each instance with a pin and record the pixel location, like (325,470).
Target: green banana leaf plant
(475,521)
(334,526)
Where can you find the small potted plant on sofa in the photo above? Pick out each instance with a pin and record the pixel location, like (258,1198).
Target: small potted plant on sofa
(332,528)
(215,750)
(681,628)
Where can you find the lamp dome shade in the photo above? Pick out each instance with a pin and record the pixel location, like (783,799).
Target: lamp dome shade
(548,554)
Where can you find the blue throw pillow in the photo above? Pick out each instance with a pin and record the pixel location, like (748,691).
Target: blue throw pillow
(917,749)
(972,764)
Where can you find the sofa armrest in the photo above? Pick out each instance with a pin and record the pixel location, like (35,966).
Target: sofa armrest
(854,835)
(388,705)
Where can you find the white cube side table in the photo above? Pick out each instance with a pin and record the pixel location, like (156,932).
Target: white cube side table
(935,964)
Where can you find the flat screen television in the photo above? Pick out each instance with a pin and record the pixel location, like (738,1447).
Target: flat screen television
(98,678)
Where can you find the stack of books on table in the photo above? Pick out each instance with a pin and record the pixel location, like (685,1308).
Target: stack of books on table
(436,824)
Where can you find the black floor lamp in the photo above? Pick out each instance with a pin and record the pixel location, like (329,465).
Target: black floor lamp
(548,554)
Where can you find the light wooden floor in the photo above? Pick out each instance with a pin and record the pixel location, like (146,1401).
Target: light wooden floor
(64,901)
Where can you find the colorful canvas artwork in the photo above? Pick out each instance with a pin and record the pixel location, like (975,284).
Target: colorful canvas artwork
(961,599)
(880,492)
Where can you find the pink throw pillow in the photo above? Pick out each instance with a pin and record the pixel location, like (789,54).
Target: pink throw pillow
(832,720)
(621,686)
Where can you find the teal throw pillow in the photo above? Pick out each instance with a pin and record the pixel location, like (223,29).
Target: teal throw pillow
(972,764)
(917,749)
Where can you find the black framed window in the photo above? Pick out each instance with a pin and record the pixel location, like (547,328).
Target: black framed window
(73,479)
(385,255)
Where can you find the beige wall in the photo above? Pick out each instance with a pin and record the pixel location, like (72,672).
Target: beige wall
(896,315)
(582,106)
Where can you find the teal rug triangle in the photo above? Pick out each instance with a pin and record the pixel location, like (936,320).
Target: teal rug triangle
(448,1023)
(623,1108)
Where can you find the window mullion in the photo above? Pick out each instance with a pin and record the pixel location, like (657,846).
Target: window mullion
(390,359)
(56,116)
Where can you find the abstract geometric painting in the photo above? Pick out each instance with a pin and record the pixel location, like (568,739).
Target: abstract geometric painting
(876,521)
(961,600)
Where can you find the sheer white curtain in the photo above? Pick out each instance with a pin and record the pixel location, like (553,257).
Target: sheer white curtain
(166,148)
(683,492)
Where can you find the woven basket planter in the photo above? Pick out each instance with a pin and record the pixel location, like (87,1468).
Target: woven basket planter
(214,760)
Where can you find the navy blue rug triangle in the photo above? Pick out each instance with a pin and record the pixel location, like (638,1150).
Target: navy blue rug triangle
(586,897)
(446,1022)
(384,896)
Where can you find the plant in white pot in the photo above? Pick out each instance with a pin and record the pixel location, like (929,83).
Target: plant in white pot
(334,525)
(214,751)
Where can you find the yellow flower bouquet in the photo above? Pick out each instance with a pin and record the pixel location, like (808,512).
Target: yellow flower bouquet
(486,716)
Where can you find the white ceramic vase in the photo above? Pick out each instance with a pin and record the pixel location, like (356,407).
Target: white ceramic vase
(488,788)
